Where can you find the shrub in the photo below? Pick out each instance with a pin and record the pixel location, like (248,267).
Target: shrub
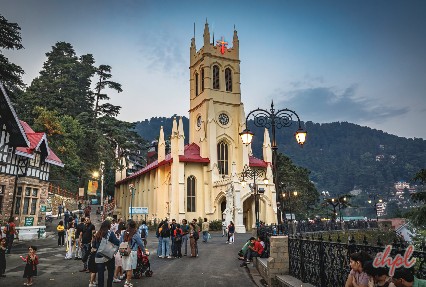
(215,225)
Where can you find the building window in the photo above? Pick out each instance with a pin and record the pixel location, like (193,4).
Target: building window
(202,79)
(228,79)
(17,205)
(216,77)
(190,197)
(35,192)
(2,192)
(26,205)
(33,206)
(196,84)
(222,157)
(28,191)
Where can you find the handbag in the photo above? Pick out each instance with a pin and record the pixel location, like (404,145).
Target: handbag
(107,249)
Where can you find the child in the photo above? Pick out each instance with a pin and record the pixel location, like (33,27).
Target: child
(3,248)
(31,267)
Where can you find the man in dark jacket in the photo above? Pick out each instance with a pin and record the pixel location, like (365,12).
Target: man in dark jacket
(86,239)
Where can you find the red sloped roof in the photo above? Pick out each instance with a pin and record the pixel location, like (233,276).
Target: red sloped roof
(35,141)
(256,162)
(191,154)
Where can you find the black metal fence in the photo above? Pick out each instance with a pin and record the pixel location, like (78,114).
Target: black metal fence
(324,263)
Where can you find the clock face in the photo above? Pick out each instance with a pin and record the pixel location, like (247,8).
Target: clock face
(199,121)
(223,119)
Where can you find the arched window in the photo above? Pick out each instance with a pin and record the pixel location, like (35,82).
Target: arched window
(196,84)
(190,194)
(228,79)
(202,79)
(222,157)
(215,77)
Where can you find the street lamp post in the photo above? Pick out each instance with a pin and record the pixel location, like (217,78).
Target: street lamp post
(284,196)
(96,175)
(273,119)
(375,204)
(250,173)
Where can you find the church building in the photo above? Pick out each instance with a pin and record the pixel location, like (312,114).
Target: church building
(206,177)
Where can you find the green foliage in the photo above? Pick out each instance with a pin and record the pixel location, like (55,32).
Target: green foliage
(10,38)
(215,225)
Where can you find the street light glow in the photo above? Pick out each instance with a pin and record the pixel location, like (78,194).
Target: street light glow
(300,136)
(246,136)
(95,174)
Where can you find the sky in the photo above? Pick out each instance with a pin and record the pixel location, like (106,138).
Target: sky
(362,62)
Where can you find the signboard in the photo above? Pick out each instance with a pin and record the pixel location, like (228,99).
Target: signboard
(81,191)
(29,221)
(92,187)
(94,201)
(43,208)
(138,210)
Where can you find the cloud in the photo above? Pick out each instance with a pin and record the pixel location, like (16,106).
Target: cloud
(163,52)
(327,104)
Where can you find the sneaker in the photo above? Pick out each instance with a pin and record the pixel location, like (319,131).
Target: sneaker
(170,257)
(128,284)
(122,277)
(116,280)
(161,256)
(92,285)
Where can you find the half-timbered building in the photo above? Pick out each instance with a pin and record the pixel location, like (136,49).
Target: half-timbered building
(25,159)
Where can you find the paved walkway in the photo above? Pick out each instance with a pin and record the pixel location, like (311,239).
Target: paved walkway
(217,265)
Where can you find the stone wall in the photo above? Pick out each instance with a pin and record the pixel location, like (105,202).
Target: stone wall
(8,181)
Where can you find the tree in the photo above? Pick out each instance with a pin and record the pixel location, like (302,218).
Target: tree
(417,215)
(63,85)
(292,179)
(106,109)
(10,38)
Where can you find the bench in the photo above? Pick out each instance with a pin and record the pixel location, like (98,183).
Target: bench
(289,281)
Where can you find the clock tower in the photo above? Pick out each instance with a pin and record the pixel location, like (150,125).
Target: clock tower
(216,115)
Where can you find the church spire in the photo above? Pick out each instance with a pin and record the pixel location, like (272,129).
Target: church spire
(161,146)
(181,137)
(206,34)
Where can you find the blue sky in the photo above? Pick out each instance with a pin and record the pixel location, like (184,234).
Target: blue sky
(358,61)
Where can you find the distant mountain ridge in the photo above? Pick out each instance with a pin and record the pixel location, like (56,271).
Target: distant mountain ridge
(341,156)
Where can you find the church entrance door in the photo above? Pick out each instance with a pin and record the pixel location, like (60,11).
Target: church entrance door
(248,213)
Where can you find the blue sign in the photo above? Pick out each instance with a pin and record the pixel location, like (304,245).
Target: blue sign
(94,201)
(138,210)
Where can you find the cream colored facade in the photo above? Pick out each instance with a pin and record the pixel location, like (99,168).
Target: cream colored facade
(215,157)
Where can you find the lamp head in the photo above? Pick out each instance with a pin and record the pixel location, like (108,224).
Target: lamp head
(380,200)
(300,136)
(95,174)
(243,183)
(246,136)
(265,180)
(369,201)
(295,193)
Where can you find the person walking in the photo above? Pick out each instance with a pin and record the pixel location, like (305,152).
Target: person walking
(165,235)
(224,228)
(31,266)
(61,233)
(160,239)
(10,230)
(205,229)
(193,236)
(133,239)
(66,218)
(231,231)
(60,207)
(78,234)
(143,231)
(102,262)
(70,240)
(86,240)
(185,235)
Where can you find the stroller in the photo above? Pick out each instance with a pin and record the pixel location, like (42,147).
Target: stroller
(143,266)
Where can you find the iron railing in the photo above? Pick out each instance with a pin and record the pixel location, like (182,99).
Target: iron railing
(324,263)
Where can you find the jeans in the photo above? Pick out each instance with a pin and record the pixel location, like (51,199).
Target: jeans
(61,238)
(9,240)
(86,253)
(185,242)
(165,246)
(160,245)
(110,265)
(173,246)
(205,236)
(250,254)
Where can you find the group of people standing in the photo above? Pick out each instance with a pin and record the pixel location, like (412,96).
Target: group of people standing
(173,237)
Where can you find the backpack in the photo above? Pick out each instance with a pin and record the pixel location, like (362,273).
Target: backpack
(143,233)
(165,232)
(178,236)
(195,235)
(125,247)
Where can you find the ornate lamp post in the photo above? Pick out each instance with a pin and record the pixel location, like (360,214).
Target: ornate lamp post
(96,175)
(375,204)
(275,120)
(253,174)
